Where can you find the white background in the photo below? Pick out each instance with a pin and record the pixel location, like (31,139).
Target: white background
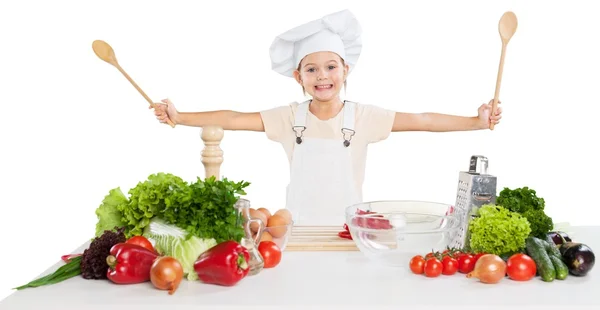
(73,127)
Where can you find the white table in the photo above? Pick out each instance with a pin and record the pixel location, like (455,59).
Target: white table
(326,280)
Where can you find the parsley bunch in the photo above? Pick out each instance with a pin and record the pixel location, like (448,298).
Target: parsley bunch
(211,212)
(525,201)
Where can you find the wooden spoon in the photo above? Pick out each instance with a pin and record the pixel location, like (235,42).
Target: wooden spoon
(105,52)
(507,28)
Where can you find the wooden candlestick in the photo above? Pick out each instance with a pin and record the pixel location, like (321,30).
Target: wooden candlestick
(212,154)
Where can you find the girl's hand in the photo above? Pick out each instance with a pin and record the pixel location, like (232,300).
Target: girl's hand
(166,111)
(485,117)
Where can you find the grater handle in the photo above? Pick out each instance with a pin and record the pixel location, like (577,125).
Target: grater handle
(473,164)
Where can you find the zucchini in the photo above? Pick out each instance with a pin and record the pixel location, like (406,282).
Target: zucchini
(537,250)
(560,267)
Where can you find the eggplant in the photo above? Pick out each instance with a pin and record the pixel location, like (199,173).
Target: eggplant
(559,237)
(578,257)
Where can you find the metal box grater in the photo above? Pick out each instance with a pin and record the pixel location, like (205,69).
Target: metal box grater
(475,189)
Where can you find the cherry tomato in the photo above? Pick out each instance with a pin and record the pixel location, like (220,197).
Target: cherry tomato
(466,263)
(270,253)
(457,254)
(429,255)
(433,267)
(141,241)
(417,264)
(477,256)
(450,265)
(520,267)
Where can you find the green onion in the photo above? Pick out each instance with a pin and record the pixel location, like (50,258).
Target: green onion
(67,271)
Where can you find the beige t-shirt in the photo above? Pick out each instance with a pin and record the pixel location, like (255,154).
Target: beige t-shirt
(372,124)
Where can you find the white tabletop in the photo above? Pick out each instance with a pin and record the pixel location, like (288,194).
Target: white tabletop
(325,280)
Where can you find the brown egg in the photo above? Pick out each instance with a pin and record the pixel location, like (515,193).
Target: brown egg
(265,211)
(266,236)
(286,214)
(277,226)
(255,214)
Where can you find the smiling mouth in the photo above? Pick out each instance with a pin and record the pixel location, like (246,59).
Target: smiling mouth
(328,86)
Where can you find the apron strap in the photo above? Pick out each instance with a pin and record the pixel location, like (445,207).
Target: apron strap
(348,122)
(300,121)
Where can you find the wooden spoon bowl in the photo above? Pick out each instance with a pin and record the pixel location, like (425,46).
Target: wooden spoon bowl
(105,52)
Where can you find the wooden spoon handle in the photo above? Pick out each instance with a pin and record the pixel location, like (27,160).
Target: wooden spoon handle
(498,81)
(152,104)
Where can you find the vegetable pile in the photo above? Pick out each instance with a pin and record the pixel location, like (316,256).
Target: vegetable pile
(168,229)
(513,238)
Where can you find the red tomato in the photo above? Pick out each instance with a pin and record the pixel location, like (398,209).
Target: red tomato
(450,265)
(270,253)
(417,264)
(457,254)
(433,267)
(520,267)
(429,255)
(141,241)
(476,257)
(466,263)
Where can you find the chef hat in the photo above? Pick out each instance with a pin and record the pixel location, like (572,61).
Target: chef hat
(338,32)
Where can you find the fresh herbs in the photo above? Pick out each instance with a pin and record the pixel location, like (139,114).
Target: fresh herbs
(204,208)
(211,212)
(526,202)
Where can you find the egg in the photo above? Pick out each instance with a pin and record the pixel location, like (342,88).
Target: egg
(265,211)
(266,236)
(286,214)
(255,214)
(277,226)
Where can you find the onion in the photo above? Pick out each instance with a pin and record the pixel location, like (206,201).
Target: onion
(166,274)
(489,268)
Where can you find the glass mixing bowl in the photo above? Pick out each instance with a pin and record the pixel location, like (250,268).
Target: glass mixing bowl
(392,232)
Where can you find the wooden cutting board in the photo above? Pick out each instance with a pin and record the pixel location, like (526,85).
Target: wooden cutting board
(318,238)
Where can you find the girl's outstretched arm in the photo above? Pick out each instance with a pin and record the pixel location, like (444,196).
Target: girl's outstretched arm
(227,119)
(437,122)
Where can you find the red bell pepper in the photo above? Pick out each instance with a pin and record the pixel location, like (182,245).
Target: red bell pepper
(371,222)
(224,264)
(129,263)
(345,233)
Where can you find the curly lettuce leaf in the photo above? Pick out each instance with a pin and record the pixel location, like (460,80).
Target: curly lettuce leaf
(151,197)
(108,213)
(498,230)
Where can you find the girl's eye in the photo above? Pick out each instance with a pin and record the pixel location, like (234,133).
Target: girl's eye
(331,67)
(311,70)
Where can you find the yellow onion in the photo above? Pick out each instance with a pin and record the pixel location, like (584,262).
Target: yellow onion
(489,269)
(166,274)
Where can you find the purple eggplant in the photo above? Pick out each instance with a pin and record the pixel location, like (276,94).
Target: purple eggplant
(556,237)
(578,257)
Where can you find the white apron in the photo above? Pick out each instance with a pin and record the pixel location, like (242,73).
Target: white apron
(322,174)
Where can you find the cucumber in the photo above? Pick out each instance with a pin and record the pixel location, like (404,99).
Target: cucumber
(560,267)
(551,247)
(537,250)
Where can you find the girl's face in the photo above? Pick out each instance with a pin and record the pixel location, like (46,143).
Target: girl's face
(322,75)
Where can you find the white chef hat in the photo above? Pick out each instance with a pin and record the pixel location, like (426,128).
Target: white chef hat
(338,32)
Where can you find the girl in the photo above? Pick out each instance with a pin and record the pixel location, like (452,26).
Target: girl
(325,138)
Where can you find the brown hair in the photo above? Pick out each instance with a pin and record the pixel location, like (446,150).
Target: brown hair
(343,65)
